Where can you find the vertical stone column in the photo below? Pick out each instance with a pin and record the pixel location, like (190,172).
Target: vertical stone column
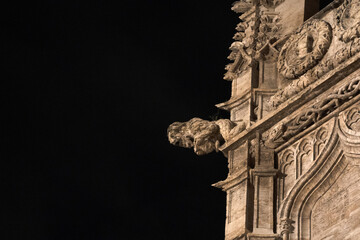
(264,179)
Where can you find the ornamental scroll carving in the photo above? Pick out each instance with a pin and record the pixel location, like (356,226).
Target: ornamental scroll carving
(202,135)
(284,132)
(304,49)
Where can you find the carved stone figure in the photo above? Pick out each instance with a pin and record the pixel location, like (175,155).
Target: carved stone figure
(204,136)
(305,48)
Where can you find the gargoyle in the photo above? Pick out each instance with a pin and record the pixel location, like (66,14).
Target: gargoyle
(204,136)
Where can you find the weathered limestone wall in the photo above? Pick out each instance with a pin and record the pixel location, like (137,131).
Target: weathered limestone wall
(336,215)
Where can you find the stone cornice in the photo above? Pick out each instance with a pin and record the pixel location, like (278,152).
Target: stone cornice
(232,180)
(234,102)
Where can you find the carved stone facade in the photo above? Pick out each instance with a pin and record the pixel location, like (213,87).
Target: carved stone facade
(293,141)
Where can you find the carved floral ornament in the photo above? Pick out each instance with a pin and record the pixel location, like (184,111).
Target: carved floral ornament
(303,50)
(202,135)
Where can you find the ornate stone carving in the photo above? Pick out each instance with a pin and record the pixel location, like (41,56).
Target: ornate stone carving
(242,50)
(348,19)
(268,29)
(286,226)
(283,132)
(311,76)
(204,136)
(305,48)
(348,31)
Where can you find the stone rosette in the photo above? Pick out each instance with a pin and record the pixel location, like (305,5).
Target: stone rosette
(304,49)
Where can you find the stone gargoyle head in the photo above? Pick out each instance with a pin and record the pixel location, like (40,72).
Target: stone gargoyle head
(202,135)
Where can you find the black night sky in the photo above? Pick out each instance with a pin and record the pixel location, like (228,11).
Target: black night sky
(89,92)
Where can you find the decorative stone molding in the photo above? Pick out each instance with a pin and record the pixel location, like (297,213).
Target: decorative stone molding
(304,49)
(304,156)
(319,141)
(204,136)
(296,159)
(283,132)
(286,158)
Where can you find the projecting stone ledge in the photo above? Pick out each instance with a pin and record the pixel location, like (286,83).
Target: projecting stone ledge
(232,180)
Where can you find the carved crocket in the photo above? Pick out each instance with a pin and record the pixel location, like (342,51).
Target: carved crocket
(204,136)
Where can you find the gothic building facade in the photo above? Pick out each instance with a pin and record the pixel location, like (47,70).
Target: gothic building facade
(293,139)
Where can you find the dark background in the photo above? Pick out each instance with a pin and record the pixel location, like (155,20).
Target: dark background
(90,89)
